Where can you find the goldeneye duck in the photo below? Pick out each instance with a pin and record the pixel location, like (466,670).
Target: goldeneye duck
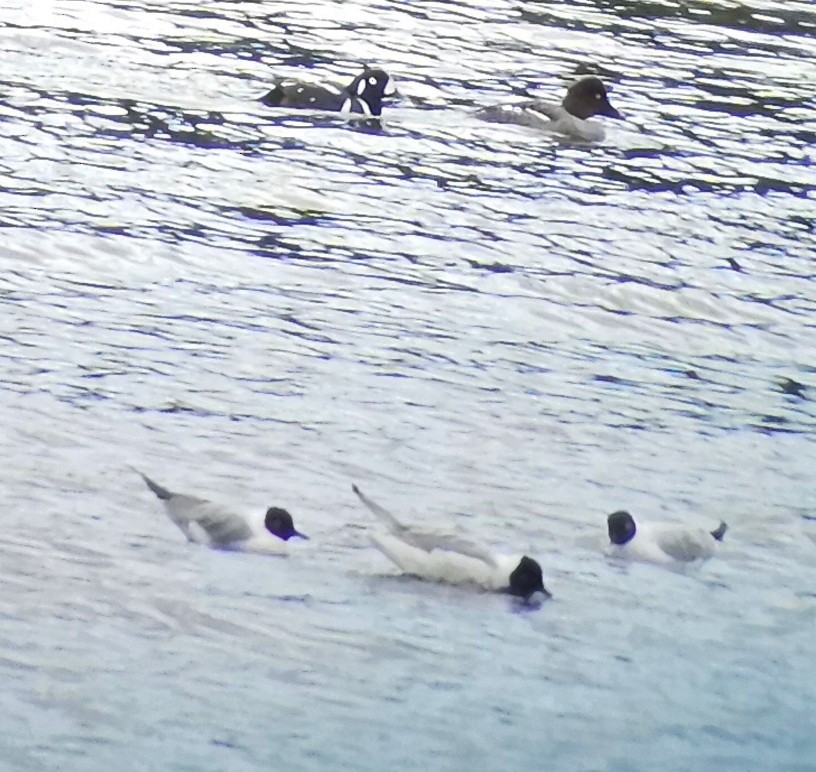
(363,96)
(661,542)
(453,558)
(204,522)
(585,99)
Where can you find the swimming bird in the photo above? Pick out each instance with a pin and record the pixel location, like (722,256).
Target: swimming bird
(661,542)
(363,96)
(453,558)
(204,522)
(585,99)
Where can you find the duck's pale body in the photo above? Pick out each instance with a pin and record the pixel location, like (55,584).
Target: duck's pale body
(585,99)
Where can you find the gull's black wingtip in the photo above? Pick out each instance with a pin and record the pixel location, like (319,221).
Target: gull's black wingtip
(161,492)
(719,531)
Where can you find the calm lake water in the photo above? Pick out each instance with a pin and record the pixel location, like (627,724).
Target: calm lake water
(477,323)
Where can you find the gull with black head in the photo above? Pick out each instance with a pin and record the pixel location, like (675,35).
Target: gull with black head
(205,522)
(659,542)
(451,557)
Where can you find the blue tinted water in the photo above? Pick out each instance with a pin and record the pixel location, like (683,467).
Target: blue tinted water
(474,322)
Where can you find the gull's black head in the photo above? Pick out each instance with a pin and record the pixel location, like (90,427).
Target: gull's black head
(279,523)
(527,579)
(621,527)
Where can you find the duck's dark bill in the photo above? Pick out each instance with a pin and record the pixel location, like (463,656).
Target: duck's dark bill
(611,112)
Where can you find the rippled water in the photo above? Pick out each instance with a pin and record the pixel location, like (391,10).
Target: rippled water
(472,321)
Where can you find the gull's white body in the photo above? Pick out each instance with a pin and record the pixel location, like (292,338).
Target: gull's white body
(205,522)
(216,526)
(441,564)
(440,556)
(667,543)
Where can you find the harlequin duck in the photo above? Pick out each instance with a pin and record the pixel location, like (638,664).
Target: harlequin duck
(363,96)
(585,98)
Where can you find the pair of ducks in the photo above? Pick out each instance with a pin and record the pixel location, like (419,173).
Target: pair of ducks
(585,99)
(449,557)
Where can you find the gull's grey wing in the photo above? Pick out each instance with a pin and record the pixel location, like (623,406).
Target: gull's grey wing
(194,515)
(428,540)
(176,505)
(687,546)
(393,524)
(160,491)
(224,528)
(219,524)
(450,542)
